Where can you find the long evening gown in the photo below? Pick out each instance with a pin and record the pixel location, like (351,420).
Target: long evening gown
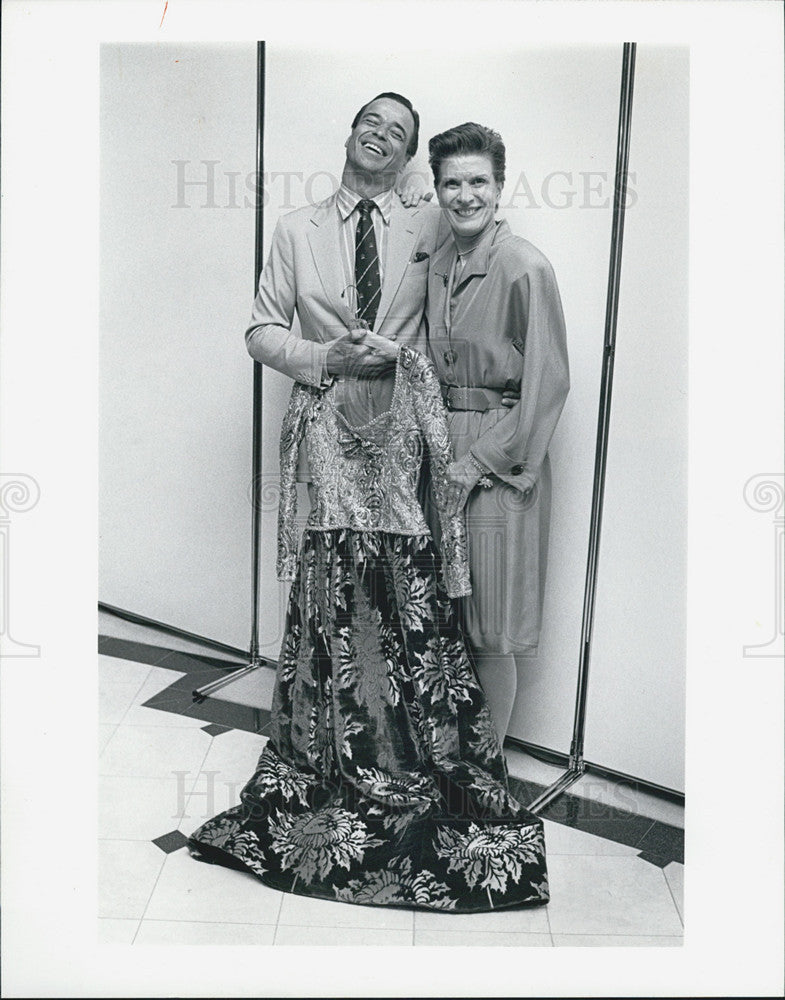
(383,781)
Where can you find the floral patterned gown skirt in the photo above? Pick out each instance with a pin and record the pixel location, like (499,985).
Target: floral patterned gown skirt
(383,781)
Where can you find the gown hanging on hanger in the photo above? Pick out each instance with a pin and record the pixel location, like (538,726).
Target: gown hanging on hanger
(383,781)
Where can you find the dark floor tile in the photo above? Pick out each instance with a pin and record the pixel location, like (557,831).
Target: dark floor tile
(194,663)
(599,818)
(525,791)
(126,649)
(655,859)
(628,829)
(595,817)
(179,699)
(170,842)
(215,730)
(199,670)
(233,716)
(163,656)
(665,840)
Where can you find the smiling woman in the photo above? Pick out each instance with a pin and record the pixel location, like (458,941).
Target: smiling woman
(495,323)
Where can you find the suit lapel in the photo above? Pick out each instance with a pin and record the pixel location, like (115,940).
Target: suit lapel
(325,241)
(404,227)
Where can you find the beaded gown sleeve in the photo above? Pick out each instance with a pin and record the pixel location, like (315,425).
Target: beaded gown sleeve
(432,423)
(301,403)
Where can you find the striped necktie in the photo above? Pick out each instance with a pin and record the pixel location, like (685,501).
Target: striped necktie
(366,265)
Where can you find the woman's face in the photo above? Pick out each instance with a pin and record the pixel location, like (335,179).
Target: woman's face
(467,193)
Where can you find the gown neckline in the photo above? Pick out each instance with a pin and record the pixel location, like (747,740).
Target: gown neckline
(358,428)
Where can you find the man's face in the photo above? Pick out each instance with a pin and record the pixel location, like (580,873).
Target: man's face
(377,144)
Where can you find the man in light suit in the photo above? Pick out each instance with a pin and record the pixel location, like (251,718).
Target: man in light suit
(310,271)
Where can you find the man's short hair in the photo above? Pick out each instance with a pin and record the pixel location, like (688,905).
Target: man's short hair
(411,149)
(468,139)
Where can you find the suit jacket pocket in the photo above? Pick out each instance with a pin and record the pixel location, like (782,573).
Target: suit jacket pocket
(416,269)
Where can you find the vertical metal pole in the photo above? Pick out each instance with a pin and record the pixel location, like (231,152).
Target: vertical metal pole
(256,488)
(254,657)
(576,764)
(604,417)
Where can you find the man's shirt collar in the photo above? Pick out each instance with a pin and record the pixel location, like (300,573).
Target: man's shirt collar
(347,200)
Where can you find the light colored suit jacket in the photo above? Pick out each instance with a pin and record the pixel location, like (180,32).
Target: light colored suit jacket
(304,276)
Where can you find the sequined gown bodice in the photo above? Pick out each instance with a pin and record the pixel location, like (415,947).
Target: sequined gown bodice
(365,475)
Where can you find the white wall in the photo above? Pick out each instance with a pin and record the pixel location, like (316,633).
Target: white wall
(635,714)
(175,393)
(557,110)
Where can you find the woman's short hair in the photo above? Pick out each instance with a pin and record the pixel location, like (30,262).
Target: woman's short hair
(468,139)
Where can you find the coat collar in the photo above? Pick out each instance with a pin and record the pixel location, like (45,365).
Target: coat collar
(477,264)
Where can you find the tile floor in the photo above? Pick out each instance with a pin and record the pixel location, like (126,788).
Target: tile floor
(162,772)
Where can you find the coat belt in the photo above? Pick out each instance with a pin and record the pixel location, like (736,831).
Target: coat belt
(466,397)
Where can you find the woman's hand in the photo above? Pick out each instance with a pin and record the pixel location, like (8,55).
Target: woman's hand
(412,188)
(462,477)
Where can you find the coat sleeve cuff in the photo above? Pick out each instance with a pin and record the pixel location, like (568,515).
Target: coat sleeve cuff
(513,472)
(315,372)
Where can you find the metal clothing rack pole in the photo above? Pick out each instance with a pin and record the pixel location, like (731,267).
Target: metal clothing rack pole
(255,660)
(576,766)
